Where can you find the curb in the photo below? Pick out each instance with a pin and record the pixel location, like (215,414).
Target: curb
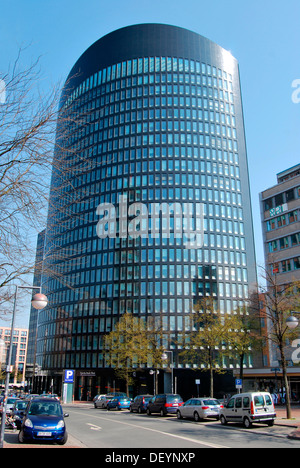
(295,435)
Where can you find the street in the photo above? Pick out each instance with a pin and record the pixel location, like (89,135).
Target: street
(115,430)
(96,428)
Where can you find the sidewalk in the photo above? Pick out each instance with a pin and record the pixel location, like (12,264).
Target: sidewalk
(292,423)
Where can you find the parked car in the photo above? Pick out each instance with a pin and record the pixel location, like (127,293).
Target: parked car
(9,405)
(140,403)
(164,404)
(119,403)
(102,401)
(200,408)
(32,395)
(44,421)
(49,395)
(18,411)
(96,397)
(248,408)
(117,394)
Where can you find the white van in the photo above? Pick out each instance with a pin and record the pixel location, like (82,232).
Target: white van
(248,408)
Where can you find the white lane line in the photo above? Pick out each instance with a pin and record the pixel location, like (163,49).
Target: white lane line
(188,439)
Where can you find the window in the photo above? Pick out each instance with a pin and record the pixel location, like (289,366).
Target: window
(268,400)
(238,402)
(290,195)
(246,402)
(231,403)
(269,204)
(259,400)
(284,243)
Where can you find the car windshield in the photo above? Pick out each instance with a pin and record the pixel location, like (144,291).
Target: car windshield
(174,398)
(11,401)
(21,405)
(46,408)
(211,402)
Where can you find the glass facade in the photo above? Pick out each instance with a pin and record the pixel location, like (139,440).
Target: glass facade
(162,124)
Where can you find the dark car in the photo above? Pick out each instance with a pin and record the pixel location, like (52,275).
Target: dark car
(140,403)
(119,403)
(44,421)
(18,411)
(164,404)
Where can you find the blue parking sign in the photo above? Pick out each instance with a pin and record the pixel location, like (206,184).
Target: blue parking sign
(238,383)
(69,376)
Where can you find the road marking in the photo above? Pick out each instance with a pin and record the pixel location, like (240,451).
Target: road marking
(188,439)
(94,427)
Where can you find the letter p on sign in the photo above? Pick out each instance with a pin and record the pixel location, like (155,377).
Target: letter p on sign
(69,376)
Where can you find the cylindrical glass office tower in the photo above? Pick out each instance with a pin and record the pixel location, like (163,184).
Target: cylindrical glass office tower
(155,117)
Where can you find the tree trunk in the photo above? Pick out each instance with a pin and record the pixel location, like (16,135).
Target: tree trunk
(242,366)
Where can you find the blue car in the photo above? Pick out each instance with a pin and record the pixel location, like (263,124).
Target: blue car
(44,421)
(119,403)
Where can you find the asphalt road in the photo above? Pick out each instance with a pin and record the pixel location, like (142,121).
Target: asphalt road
(96,428)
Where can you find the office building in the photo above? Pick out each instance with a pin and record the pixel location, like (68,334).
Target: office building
(280,216)
(280,206)
(19,351)
(163,123)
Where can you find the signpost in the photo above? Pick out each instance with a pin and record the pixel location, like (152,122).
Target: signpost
(239,384)
(197,381)
(68,386)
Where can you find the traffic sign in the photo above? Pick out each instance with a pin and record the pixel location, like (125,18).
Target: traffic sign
(238,383)
(69,376)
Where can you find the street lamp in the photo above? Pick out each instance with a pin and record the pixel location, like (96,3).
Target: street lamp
(292,322)
(39,301)
(164,357)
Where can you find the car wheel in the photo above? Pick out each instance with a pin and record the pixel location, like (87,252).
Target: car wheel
(179,415)
(64,440)
(148,412)
(162,412)
(140,410)
(247,423)
(271,423)
(223,420)
(196,417)
(21,437)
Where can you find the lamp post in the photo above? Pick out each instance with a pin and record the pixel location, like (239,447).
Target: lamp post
(39,301)
(164,357)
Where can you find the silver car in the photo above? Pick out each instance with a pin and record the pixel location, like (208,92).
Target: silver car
(101,402)
(200,408)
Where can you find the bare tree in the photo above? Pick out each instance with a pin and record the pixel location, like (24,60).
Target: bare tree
(280,300)
(33,127)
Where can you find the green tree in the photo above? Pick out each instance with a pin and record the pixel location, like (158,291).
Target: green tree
(133,344)
(204,345)
(243,335)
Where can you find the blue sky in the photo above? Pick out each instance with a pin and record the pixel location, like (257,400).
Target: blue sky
(264,35)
